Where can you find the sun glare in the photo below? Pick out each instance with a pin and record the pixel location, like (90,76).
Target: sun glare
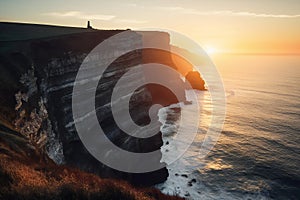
(210,50)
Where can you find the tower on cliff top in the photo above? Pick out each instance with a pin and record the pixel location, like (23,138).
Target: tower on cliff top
(89,25)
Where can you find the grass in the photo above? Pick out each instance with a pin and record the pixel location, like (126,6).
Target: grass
(23,175)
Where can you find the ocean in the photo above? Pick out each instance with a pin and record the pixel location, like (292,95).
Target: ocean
(257,154)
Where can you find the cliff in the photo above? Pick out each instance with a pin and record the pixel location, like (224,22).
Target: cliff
(37,77)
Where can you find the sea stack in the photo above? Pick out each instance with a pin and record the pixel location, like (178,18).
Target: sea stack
(195,80)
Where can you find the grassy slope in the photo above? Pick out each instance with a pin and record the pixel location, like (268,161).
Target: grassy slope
(24,175)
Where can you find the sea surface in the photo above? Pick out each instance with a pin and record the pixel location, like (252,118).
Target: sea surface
(257,155)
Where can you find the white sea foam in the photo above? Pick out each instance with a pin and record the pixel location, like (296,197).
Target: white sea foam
(183,180)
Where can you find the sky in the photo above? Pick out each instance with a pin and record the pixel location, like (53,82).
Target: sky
(231,26)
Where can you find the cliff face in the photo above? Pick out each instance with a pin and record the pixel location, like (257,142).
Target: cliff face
(37,78)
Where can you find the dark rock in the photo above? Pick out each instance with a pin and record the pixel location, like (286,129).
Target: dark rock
(184,175)
(190,183)
(187,194)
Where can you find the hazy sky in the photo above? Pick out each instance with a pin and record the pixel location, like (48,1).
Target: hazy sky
(257,26)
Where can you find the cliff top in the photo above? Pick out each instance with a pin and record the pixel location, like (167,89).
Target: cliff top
(11,31)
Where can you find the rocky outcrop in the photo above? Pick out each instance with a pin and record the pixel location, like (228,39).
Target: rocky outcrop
(53,63)
(195,80)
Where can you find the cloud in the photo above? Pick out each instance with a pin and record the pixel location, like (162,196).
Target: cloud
(241,14)
(80,15)
(131,21)
(226,13)
(173,8)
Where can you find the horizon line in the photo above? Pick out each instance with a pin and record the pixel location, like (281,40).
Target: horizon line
(258,54)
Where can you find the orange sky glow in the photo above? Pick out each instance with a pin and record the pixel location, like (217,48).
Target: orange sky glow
(220,27)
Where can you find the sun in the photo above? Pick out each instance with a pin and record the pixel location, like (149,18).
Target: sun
(210,50)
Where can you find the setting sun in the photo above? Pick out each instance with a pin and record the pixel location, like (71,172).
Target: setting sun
(210,50)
